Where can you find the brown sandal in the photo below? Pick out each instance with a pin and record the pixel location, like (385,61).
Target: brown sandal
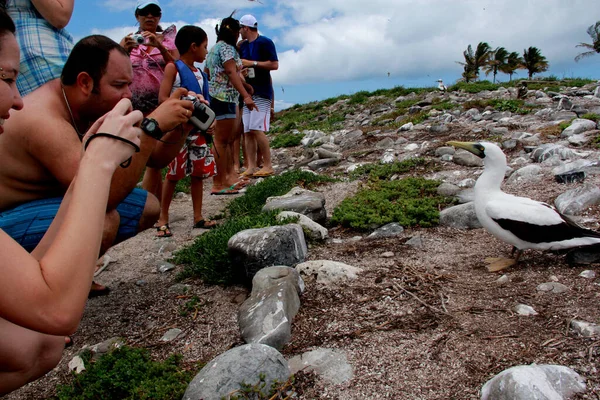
(163,231)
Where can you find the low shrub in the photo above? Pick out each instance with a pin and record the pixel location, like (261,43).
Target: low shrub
(409,201)
(208,258)
(286,140)
(564,125)
(359,97)
(130,374)
(474,87)
(591,117)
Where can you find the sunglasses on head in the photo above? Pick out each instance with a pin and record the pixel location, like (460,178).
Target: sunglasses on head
(152,9)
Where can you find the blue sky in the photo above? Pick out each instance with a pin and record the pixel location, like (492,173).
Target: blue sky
(332,47)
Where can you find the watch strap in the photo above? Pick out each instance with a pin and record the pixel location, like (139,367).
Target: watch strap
(155,133)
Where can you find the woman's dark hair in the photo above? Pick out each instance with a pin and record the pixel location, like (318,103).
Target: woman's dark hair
(187,35)
(89,55)
(6,23)
(227,30)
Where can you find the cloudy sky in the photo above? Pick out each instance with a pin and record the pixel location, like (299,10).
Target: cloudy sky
(332,47)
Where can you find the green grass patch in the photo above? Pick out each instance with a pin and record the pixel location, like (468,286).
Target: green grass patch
(286,140)
(512,105)
(207,258)
(130,374)
(474,87)
(359,97)
(564,125)
(409,201)
(591,117)
(307,117)
(385,171)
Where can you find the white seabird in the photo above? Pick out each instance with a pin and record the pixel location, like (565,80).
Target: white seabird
(441,85)
(519,221)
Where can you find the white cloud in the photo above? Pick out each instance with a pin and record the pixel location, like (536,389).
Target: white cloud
(282,105)
(352,39)
(119,5)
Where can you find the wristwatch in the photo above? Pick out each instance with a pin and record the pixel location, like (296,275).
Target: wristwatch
(255,63)
(150,126)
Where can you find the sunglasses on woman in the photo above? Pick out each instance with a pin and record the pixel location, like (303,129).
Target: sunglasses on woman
(152,9)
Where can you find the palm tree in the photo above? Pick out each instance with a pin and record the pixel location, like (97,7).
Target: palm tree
(496,60)
(534,61)
(474,61)
(513,63)
(594,32)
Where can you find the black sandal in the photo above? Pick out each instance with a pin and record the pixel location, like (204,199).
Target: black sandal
(125,163)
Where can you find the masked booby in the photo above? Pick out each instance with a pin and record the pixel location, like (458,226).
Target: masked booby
(519,221)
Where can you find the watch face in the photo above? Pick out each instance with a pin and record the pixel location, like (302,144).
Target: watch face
(151,125)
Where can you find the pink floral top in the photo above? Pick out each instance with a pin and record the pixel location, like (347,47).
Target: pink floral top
(148,71)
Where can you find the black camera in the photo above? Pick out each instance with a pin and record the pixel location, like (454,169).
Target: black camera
(138,38)
(202,116)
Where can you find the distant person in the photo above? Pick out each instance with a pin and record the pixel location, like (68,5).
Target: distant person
(260,58)
(149,60)
(44,43)
(223,65)
(40,150)
(43,294)
(195,158)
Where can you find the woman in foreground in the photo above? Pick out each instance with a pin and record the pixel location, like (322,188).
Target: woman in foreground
(42,299)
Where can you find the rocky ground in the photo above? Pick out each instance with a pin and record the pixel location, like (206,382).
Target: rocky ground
(424,319)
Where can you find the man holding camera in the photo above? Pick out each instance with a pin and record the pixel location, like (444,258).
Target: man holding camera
(41,146)
(259,57)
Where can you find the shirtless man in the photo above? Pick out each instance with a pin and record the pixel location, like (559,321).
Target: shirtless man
(40,149)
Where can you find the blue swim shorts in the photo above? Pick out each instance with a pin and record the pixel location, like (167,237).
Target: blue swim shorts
(28,223)
(222,109)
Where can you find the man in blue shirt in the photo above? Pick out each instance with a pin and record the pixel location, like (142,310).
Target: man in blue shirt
(259,58)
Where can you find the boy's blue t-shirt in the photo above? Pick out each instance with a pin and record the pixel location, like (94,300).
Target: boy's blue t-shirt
(261,49)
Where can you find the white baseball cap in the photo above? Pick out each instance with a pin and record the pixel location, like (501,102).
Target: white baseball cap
(249,20)
(146,3)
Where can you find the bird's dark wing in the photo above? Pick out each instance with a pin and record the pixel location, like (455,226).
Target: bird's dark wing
(534,233)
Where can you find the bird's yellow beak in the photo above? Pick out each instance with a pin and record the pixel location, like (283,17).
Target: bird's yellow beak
(472,147)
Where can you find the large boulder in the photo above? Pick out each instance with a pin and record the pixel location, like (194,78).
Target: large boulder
(223,375)
(327,272)
(575,201)
(460,217)
(311,229)
(302,201)
(266,316)
(468,159)
(256,249)
(331,365)
(578,126)
(534,382)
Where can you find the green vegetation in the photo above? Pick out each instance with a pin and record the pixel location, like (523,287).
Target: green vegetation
(409,201)
(257,391)
(594,47)
(130,374)
(564,125)
(534,62)
(385,171)
(474,87)
(475,60)
(286,140)
(591,117)
(514,106)
(207,258)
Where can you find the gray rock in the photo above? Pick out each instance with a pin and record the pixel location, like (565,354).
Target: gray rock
(503,280)
(527,174)
(499,130)
(416,242)
(575,201)
(411,147)
(310,136)
(388,230)
(466,196)
(331,365)
(460,217)
(548,150)
(327,154)
(467,183)
(385,143)
(584,256)
(414,109)
(565,104)
(76,365)
(553,287)
(588,274)
(171,335)
(439,128)
(463,157)
(440,151)
(570,177)
(585,329)
(447,157)
(255,249)
(266,316)
(327,272)
(164,266)
(318,164)
(447,189)
(350,138)
(388,157)
(223,375)
(312,229)
(102,348)
(306,202)
(525,310)
(406,127)
(578,126)
(534,382)
(563,116)
(388,254)
(509,144)
(581,139)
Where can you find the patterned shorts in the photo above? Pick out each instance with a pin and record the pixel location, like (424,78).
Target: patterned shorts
(195,159)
